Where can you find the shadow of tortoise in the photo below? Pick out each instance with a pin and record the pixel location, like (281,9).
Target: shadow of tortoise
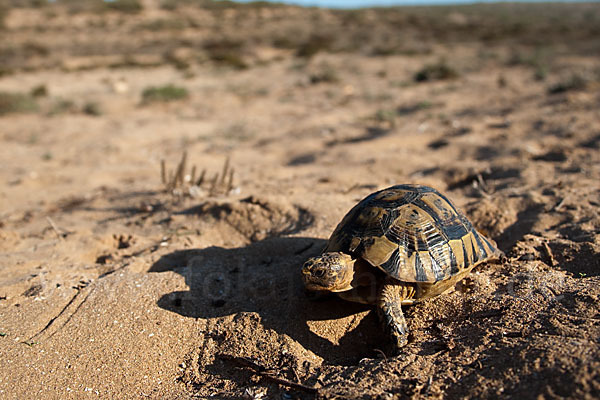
(264,278)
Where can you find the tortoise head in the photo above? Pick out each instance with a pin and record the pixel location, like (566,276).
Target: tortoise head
(332,272)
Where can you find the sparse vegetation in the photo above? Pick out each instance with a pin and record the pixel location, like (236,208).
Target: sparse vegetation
(540,73)
(172,5)
(573,82)
(17,103)
(314,44)
(406,30)
(325,74)
(24,3)
(126,6)
(412,108)
(164,94)
(386,117)
(180,182)
(39,91)
(62,106)
(92,108)
(78,6)
(35,48)
(538,59)
(435,72)
(236,132)
(228,59)
(227,52)
(160,24)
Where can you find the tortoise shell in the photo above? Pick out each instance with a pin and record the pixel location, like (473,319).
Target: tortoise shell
(413,233)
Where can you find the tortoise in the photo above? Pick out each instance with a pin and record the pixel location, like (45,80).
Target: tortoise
(396,246)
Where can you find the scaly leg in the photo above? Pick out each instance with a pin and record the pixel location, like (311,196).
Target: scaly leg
(390,300)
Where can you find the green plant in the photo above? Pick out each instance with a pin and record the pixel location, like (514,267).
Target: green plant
(164,94)
(17,103)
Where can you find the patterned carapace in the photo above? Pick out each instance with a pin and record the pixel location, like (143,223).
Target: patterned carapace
(413,233)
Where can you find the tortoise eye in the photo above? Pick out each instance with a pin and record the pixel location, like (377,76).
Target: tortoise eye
(319,273)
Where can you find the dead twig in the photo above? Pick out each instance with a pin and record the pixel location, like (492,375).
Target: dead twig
(225,171)
(560,204)
(179,175)
(193,174)
(60,235)
(230,182)
(163,172)
(480,185)
(213,185)
(482,182)
(200,180)
(552,261)
(179,183)
(263,372)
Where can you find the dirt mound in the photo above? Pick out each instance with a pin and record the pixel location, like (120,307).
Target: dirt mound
(255,218)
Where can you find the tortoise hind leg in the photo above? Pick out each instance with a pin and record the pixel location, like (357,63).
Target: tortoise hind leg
(391,296)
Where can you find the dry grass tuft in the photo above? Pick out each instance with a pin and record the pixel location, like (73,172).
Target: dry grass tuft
(180,183)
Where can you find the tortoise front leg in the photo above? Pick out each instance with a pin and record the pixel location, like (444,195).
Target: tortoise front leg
(390,300)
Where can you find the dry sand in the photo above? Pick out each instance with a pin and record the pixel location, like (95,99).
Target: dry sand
(114,286)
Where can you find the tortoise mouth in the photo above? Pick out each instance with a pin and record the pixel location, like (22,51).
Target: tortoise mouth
(332,287)
(317,287)
(320,286)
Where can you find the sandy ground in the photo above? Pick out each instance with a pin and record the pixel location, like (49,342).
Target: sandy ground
(114,286)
